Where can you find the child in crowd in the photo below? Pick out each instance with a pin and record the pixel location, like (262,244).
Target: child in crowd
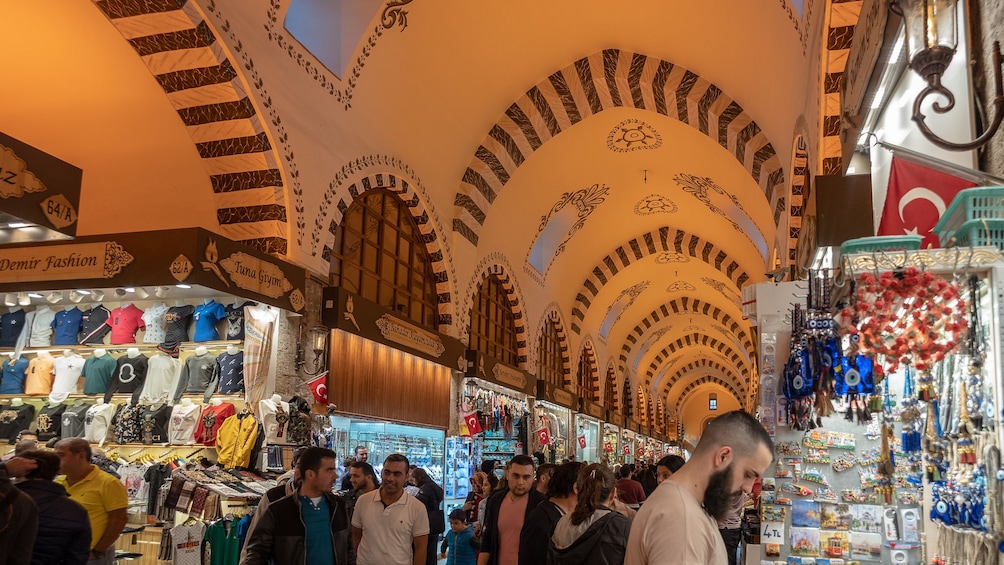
(460,540)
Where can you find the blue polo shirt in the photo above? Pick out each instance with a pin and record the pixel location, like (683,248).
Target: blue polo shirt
(317,519)
(206,316)
(67,324)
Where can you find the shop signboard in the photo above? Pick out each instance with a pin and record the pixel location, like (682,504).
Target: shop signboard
(486,367)
(646,431)
(592,409)
(632,425)
(38,188)
(352,313)
(164,258)
(561,397)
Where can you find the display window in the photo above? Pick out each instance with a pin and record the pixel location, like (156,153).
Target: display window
(587,439)
(424,447)
(611,445)
(555,421)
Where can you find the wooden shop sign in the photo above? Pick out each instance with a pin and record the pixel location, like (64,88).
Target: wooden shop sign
(482,366)
(561,397)
(100,260)
(37,187)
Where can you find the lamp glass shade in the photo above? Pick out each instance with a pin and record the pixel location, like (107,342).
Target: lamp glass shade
(930,24)
(318,338)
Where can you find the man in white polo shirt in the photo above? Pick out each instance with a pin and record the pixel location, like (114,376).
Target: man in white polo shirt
(390,526)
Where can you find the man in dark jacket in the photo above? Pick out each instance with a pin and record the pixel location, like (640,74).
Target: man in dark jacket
(18,515)
(307,526)
(539,525)
(64,530)
(506,513)
(431,496)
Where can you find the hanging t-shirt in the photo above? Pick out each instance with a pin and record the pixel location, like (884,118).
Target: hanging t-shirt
(206,316)
(129,376)
(68,370)
(67,324)
(94,325)
(228,376)
(187,543)
(224,545)
(13,419)
(49,422)
(274,418)
(155,424)
(127,423)
(235,320)
(97,371)
(11,325)
(13,375)
(177,320)
(210,422)
(41,327)
(156,323)
(73,420)
(184,420)
(196,375)
(125,322)
(97,422)
(161,378)
(39,379)
(259,321)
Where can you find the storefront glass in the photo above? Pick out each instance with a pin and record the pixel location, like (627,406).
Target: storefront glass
(555,419)
(611,444)
(424,447)
(587,439)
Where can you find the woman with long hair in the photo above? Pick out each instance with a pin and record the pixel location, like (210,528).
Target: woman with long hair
(591,534)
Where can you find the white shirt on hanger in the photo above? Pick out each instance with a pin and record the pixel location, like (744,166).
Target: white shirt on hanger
(67,369)
(184,420)
(156,323)
(161,377)
(98,421)
(41,327)
(275,421)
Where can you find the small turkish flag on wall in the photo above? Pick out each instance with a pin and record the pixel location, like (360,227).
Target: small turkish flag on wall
(319,388)
(582,442)
(543,436)
(473,423)
(916,200)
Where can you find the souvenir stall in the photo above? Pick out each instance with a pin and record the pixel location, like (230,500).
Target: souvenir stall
(587,431)
(552,424)
(494,414)
(628,442)
(611,453)
(882,417)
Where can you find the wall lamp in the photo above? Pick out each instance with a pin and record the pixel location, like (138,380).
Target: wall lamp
(931,41)
(317,337)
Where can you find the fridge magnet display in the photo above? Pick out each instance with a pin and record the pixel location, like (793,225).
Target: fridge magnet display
(782,411)
(805,514)
(866,518)
(840,440)
(817,456)
(815,439)
(834,543)
(911,524)
(772,550)
(835,516)
(825,494)
(805,542)
(767,484)
(771,513)
(799,490)
(814,475)
(788,448)
(857,495)
(866,545)
(781,471)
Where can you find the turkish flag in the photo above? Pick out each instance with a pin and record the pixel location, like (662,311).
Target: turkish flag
(543,436)
(916,199)
(473,423)
(319,388)
(582,442)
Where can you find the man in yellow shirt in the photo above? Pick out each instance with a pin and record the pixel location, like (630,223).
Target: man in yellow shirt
(102,495)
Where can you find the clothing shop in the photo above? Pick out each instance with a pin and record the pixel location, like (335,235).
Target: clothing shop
(552,422)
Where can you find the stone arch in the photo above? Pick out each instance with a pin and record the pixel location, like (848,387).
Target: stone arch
(552,313)
(683,306)
(841,17)
(610,397)
(209,92)
(800,192)
(665,239)
(720,372)
(594,390)
(495,265)
(431,239)
(693,340)
(609,79)
(692,388)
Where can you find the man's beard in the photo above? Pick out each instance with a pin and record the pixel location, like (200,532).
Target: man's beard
(718,496)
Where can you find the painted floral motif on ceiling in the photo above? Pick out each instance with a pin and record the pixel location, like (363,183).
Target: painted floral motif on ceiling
(667,257)
(680,286)
(623,302)
(695,328)
(655,204)
(724,289)
(698,188)
(585,202)
(633,135)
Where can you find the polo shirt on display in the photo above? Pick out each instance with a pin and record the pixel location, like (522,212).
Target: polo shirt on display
(49,423)
(39,379)
(67,324)
(13,419)
(177,320)
(388,533)
(206,316)
(99,493)
(67,369)
(156,323)
(41,327)
(94,325)
(13,375)
(97,371)
(73,420)
(129,376)
(125,322)
(11,325)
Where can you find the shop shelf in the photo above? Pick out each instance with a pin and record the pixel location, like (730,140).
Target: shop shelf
(982,202)
(881,243)
(981,232)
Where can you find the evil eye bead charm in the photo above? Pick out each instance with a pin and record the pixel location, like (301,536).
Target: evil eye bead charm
(941,507)
(1000,474)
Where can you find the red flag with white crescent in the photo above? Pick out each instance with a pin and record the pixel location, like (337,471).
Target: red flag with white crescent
(582,442)
(916,199)
(473,423)
(319,388)
(543,436)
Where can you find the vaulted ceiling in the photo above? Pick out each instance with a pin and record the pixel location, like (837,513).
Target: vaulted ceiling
(628,167)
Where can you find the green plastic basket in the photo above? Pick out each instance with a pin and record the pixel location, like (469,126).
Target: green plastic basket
(981,232)
(881,243)
(982,202)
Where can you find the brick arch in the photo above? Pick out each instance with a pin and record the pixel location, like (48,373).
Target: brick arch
(723,372)
(685,305)
(610,397)
(608,79)
(594,369)
(552,313)
(694,340)
(841,18)
(208,90)
(431,239)
(694,386)
(495,265)
(658,241)
(800,193)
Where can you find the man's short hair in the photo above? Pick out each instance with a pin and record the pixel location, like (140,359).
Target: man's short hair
(738,430)
(311,459)
(77,445)
(521,460)
(397,458)
(24,446)
(625,471)
(358,447)
(48,465)
(367,470)
(671,462)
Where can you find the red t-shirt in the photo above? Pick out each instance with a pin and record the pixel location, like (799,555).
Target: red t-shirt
(630,491)
(125,322)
